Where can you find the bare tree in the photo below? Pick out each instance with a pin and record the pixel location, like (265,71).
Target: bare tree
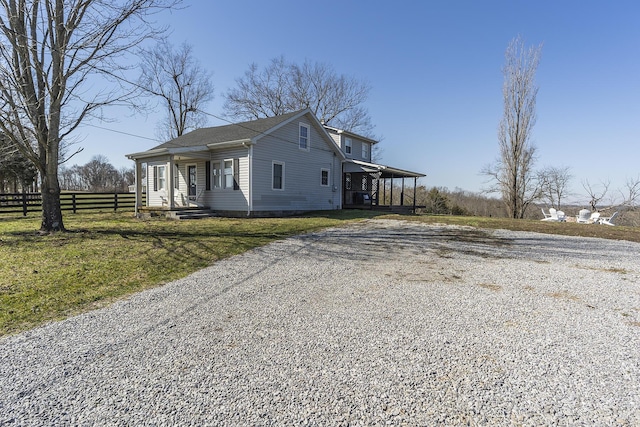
(632,195)
(554,184)
(50,54)
(283,87)
(595,193)
(99,175)
(512,175)
(183,85)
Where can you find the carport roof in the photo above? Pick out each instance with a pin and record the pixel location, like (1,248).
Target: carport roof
(386,171)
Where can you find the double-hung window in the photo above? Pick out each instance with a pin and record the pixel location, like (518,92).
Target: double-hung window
(227,173)
(303,139)
(278,176)
(160,178)
(365,151)
(324,177)
(216,170)
(347,145)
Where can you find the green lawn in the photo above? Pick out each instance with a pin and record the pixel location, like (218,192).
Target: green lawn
(108,256)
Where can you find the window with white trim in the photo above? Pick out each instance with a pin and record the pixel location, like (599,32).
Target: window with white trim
(227,173)
(365,151)
(176,178)
(216,171)
(277,181)
(304,137)
(324,177)
(161,177)
(347,145)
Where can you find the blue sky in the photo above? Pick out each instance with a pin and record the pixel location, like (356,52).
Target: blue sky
(435,72)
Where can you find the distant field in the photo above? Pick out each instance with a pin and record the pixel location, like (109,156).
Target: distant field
(106,256)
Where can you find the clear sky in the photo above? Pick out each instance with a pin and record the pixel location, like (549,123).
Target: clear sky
(435,71)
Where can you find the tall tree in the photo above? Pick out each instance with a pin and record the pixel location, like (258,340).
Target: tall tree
(512,174)
(283,87)
(50,53)
(183,86)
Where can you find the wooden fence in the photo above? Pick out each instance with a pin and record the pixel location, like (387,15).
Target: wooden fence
(32,202)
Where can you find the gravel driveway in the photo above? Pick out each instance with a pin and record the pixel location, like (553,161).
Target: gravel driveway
(377,323)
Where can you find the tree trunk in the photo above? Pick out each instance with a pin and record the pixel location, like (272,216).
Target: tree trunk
(51,209)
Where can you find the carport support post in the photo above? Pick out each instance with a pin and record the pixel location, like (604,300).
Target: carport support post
(402,193)
(415,183)
(391,200)
(384,191)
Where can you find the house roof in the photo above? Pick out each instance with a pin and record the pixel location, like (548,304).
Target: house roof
(232,132)
(230,135)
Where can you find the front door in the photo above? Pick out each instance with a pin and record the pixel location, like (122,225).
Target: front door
(192,178)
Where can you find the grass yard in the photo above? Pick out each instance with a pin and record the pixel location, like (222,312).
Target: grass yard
(108,256)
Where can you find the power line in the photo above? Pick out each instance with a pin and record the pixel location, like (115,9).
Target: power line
(124,133)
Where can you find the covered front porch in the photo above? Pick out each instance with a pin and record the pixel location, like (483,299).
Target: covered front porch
(373,186)
(173,181)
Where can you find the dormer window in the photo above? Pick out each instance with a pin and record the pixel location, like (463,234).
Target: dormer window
(365,151)
(347,145)
(304,137)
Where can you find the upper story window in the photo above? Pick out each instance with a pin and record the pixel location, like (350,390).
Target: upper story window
(304,137)
(347,145)
(365,151)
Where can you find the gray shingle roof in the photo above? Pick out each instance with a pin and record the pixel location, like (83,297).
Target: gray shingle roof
(232,132)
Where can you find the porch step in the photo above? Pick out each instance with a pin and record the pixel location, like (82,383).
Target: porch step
(193,214)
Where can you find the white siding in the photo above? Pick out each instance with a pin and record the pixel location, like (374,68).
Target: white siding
(302,178)
(155,197)
(228,199)
(356,146)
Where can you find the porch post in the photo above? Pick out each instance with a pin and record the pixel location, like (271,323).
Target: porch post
(138,190)
(169,184)
(391,199)
(402,193)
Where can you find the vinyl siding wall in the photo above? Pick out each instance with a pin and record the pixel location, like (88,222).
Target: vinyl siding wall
(228,199)
(356,146)
(154,197)
(302,172)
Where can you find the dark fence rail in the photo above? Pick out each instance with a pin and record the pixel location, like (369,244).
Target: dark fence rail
(32,202)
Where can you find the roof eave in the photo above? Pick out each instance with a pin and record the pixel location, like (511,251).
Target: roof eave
(227,144)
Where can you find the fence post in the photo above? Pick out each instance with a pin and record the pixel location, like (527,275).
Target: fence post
(73,201)
(115,202)
(24,204)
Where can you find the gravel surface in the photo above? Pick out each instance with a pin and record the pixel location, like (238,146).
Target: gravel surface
(378,323)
